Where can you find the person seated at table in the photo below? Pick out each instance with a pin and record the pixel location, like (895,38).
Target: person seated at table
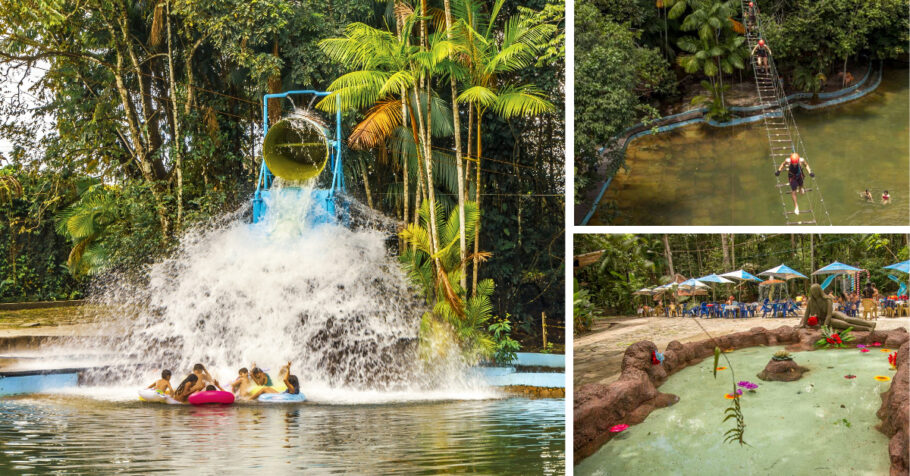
(822,308)
(641,311)
(886,198)
(730,301)
(870,306)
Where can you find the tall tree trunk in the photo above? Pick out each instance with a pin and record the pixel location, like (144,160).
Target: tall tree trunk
(476,264)
(366,183)
(732,251)
(177,149)
(456,123)
(274,88)
(669,255)
(812,254)
(726,250)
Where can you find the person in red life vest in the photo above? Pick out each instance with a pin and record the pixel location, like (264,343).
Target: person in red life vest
(794,166)
(886,199)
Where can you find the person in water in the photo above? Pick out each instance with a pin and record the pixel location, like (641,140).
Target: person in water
(285,375)
(794,166)
(203,378)
(241,386)
(866,195)
(185,389)
(822,307)
(886,199)
(260,377)
(761,52)
(163,385)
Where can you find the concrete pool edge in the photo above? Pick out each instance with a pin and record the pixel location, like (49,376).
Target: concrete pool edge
(585,210)
(635,394)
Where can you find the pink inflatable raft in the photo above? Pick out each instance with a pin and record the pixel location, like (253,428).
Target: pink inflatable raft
(214,396)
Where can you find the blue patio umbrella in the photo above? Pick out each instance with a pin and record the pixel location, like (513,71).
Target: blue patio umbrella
(903,266)
(742,276)
(834,269)
(783,272)
(713,278)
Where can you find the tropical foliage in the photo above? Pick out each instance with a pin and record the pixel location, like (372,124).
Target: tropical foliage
(161,102)
(631,262)
(635,59)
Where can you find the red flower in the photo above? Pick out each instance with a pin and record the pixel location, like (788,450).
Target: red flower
(892,359)
(829,340)
(654,360)
(837,338)
(813,320)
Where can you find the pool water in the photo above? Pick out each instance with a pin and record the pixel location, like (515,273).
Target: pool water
(65,433)
(821,424)
(703,175)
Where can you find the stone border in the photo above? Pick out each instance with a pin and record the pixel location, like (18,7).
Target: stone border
(631,398)
(693,116)
(18,306)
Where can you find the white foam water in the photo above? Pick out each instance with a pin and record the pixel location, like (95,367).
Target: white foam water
(332,300)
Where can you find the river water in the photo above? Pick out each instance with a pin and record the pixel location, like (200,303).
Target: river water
(65,433)
(703,175)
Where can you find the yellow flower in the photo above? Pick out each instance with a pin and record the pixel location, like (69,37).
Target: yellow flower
(885,350)
(882,378)
(730,396)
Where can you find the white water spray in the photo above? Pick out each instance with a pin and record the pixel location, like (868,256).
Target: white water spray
(330,299)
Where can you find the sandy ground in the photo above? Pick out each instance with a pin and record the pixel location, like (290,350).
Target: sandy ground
(598,354)
(58,321)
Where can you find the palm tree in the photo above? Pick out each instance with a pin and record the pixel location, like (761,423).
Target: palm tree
(717,49)
(83,223)
(487,55)
(388,69)
(467,316)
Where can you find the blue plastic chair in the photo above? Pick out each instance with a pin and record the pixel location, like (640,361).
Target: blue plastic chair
(704,310)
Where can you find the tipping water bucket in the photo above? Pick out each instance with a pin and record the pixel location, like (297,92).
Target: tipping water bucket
(296,148)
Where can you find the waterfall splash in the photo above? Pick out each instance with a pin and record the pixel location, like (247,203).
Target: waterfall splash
(332,300)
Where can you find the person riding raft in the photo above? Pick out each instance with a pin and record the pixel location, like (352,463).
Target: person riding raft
(795,176)
(761,53)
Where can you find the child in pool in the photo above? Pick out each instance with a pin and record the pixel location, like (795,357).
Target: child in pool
(886,199)
(185,389)
(203,378)
(284,373)
(866,195)
(241,385)
(260,377)
(163,385)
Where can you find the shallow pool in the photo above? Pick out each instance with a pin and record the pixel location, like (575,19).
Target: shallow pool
(702,175)
(821,424)
(64,433)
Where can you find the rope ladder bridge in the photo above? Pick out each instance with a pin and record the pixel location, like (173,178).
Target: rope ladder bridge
(781,129)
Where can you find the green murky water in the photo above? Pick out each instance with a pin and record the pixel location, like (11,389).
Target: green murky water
(821,424)
(702,175)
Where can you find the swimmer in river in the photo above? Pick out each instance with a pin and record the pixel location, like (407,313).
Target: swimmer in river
(866,195)
(163,385)
(795,176)
(886,199)
(761,53)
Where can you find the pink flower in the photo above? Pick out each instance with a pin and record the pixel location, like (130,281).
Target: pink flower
(864,350)
(618,428)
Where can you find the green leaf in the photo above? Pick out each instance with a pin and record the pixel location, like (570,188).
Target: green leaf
(716,359)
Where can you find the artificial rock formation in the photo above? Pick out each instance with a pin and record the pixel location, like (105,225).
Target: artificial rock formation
(895,414)
(782,371)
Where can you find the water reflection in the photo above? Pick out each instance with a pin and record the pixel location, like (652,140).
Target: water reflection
(79,434)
